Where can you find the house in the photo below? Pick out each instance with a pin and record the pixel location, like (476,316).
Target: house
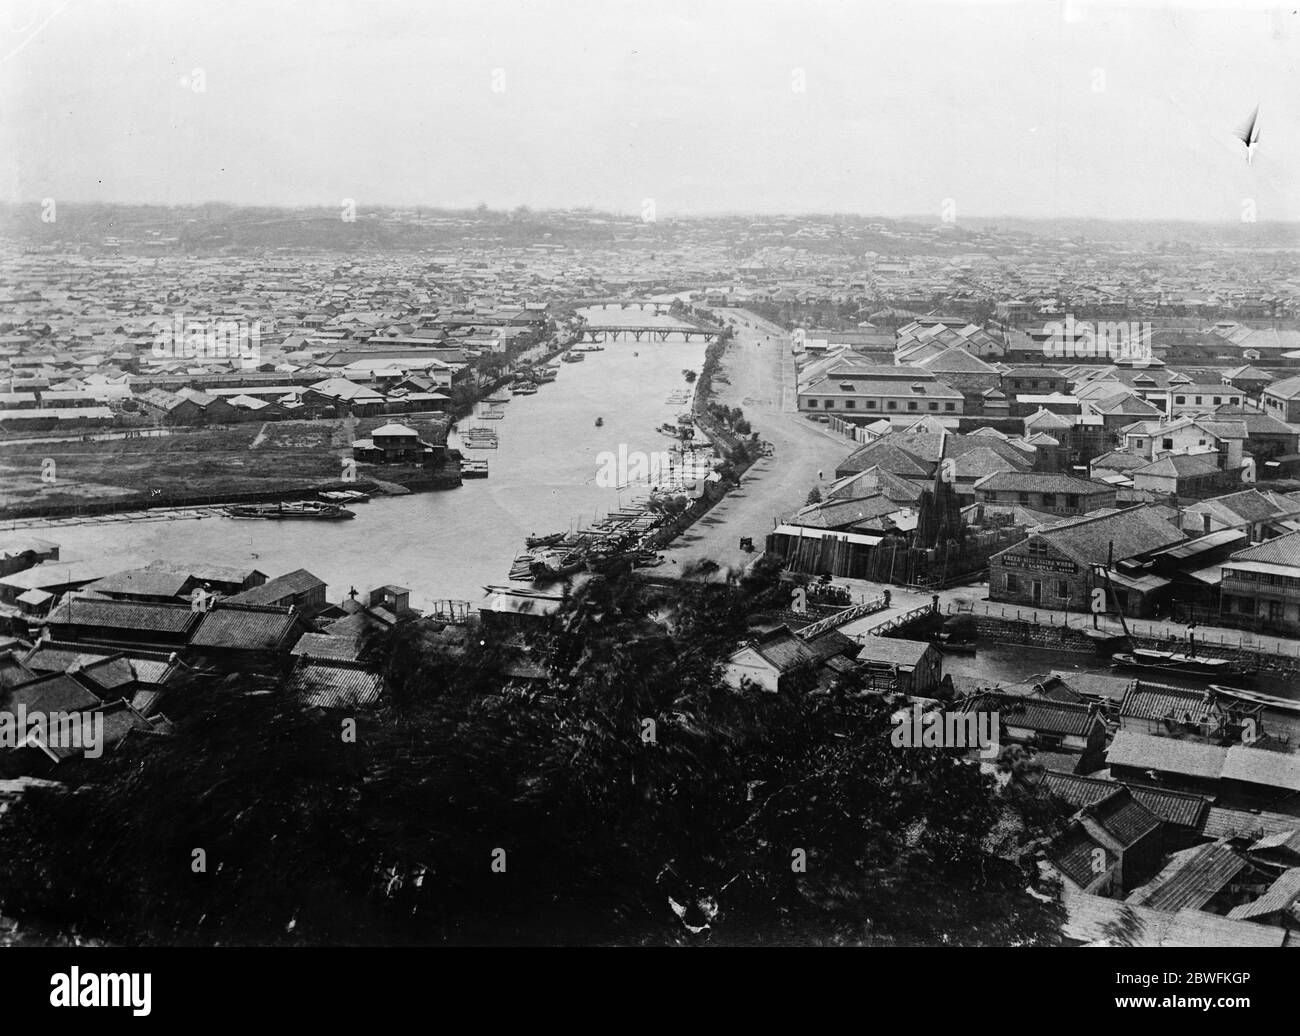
(1259,514)
(229,630)
(911,667)
(19,552)
(162,626)
(1034,381)
(1282,400)
(1251,380)
(342,396)
(774,661)
(1110,845)
(1266,436)
(1041,491)
(395,444)
(1198,398)
(1058,566)
(298,589)
(1072,728)
(1187,476)
(334,684)
(1261,586)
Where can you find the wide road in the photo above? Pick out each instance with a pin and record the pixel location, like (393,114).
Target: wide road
(759,369)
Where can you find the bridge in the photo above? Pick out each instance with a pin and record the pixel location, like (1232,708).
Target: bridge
(611,332)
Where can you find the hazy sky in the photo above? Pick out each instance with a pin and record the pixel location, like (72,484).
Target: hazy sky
(1033,109)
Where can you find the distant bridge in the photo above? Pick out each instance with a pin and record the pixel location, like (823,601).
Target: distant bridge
(611,332)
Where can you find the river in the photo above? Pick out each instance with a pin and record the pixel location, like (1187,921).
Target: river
(448,545)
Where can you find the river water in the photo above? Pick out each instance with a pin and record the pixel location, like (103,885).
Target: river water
(449,544)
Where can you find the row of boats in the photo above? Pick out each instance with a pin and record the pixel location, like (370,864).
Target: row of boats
(616,539)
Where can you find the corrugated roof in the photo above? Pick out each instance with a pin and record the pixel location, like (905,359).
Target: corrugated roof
(1191,878)
(1281,895)
(334,684)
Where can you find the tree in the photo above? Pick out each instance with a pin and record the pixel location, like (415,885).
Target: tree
(814,495)
(635,778)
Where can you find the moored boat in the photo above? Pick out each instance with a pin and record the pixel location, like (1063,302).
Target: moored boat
(1180,663)
(294,509)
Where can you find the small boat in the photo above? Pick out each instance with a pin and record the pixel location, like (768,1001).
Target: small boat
(525,389)
(572,357)
(1106,643)
(344,496)
(496,400)
(544,541)
(296,509)
(599,422)
(1269,701)
(548,373)
(473,469)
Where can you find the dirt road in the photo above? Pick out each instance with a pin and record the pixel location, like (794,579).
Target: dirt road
(760,370)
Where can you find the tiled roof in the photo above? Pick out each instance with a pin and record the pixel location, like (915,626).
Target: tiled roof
(273,590)
(1123,817)
(1038,482)
(244,628)
(54,692)
(321,645)
(1073,854)
(1284,550)
(1223,822)
(127,615)
(1041,714)
(1154,701)
(1137,530)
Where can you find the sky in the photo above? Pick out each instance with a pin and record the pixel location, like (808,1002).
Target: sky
(1050,108)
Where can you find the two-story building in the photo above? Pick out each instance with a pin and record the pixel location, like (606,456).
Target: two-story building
(1059,566)
(872,392)
(1261,586)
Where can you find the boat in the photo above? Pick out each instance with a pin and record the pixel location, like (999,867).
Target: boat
(344,496)
(572,357)
(1269,701)
(553,567)
(544,541)
(295,509)
(523,389)
(1179,662)
(473,469)
(1106,643)
(599,421)
(548,373)
(496,400)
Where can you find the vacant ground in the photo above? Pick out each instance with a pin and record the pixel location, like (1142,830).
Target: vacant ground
(247,458)
(760,372)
